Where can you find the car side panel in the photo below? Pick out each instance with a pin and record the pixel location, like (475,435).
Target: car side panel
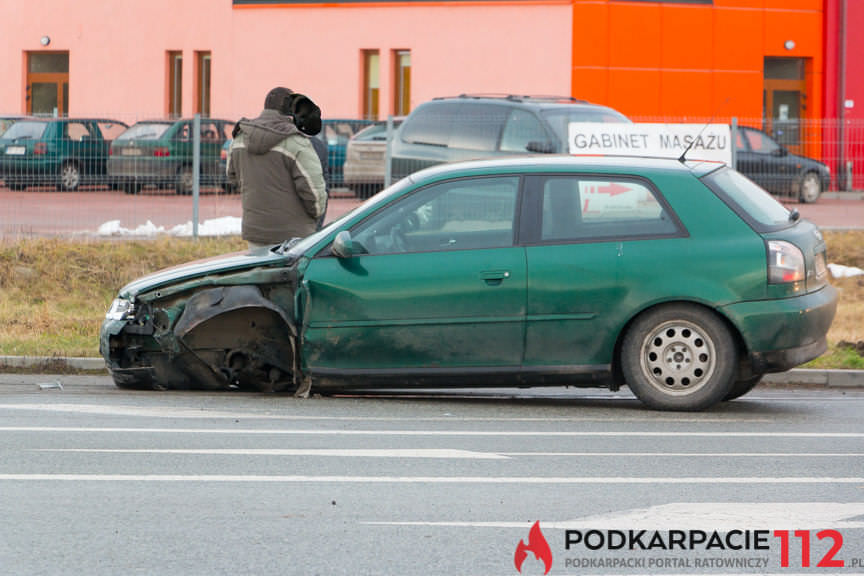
(415,312)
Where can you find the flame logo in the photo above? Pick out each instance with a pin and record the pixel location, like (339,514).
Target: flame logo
(536,544)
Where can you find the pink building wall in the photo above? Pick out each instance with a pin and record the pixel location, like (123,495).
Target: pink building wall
(118,65)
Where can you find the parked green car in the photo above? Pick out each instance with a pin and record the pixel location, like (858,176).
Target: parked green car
(65,152)
(684,281)
(161,153)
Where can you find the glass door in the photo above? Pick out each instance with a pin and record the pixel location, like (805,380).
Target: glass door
(785,99)
(48,83)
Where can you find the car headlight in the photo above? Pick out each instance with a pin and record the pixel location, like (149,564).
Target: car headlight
(120,309)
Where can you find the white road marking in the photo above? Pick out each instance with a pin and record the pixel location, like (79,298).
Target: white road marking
(357,453)
(483,433)
(696,516)
(211,478)
(689,454)
(191,413)
(445,453)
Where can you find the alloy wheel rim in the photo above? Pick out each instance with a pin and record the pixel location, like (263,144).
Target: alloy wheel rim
(70,177)
(810,188)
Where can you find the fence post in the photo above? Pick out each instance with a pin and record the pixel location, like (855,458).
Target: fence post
(388,175)
(733,145)
(196,171)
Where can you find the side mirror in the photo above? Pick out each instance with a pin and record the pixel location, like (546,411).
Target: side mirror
(541,147)
(780,152)
(343,246)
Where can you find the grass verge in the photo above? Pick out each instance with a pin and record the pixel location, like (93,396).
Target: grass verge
(54,292)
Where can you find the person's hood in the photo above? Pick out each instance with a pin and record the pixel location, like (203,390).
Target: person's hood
(267,130)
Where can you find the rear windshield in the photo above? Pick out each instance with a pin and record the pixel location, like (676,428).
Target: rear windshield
(561,118)
(144,131)
(376,132)
(749,200)
(23,130)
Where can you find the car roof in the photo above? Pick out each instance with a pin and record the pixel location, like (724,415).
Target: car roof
(568,163)
(535,101)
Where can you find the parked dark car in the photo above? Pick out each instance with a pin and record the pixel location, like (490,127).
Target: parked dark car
(161,153)
(482,126)
(522,271)
(765,161)
(65,152)
(336,132)
(366,159)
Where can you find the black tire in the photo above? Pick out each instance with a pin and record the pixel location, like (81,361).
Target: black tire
(184,181)
(132,188)
(742,387)
(809,188)
(69,178)
(679,357)
(15,185)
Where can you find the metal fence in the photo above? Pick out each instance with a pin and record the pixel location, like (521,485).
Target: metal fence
(115,175)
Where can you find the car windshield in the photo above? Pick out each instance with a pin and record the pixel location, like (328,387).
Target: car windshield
(24,130)
(145,131)
(560,118)
(748,197)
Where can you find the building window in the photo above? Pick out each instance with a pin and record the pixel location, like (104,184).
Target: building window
(175,84)
(371,84)
(202,83)
(402,84)
(48,83)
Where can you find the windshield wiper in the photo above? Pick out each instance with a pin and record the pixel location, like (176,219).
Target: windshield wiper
(287,245)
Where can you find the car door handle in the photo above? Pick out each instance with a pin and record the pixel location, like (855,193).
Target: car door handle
(494,277)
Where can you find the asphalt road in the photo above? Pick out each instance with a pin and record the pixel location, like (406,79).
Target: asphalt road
(45,212)
(96,480)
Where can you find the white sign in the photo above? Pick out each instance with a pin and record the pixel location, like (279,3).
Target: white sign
(705,141)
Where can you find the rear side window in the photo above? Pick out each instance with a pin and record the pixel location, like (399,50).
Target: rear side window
(430,124)
(478,127)
(78,131)
(748,200)
(588,208)
(521,129)
(144,131)
(110,130)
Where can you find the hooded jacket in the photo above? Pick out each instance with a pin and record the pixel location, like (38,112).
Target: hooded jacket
(279,176)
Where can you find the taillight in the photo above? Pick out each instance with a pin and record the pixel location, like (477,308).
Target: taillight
(161,152)
(785,263)
(40,148)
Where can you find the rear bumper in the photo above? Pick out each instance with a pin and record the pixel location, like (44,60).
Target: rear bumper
(781,334)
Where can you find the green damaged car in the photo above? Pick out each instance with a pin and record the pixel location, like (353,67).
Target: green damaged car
(683,280)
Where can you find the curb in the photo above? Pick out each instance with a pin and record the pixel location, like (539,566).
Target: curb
(795,377)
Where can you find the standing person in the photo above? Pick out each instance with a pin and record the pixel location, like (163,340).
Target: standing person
(307,117)
(278,172)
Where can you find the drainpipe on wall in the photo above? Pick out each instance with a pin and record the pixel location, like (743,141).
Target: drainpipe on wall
(842,181)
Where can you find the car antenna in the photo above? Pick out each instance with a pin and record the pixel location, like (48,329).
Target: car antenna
(682,159)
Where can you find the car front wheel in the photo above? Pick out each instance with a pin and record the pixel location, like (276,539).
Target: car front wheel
(810,188)
(679,357)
